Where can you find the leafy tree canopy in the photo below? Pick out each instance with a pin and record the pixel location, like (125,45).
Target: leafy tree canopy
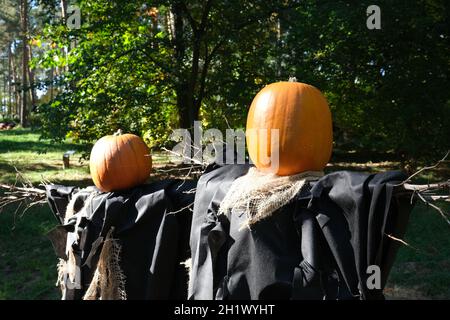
(150,66)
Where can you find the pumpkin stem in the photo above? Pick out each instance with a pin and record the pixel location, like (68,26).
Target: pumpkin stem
(118,132)
(292,79)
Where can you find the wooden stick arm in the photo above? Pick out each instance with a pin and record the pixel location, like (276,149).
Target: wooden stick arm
(428,192)
(425,187)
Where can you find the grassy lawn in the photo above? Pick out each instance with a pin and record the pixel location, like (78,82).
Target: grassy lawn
(423,272)
(38,159)
(27,259)
(28,263)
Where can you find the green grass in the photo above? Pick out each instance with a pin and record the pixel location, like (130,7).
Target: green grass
(38,159)
(424,270)
(28,263)
(27,260)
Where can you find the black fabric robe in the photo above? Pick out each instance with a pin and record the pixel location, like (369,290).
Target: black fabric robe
(317,247)
(152,224)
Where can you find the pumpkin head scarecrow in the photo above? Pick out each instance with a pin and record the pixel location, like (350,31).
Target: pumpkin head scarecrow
(289,124)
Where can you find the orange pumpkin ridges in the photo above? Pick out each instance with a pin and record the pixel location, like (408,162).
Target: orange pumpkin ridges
(301,114)
(119,161)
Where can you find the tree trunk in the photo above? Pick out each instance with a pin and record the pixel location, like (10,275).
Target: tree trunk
(31,80)
(5,86)
(10,79)
(189,89)
(192,89)
(15,84)
(182,84)
(52,72)
(24,22)
(64,50)
(185,107)
(279,48)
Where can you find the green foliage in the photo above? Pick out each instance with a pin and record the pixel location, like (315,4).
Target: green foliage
(6,118)
(148,71)
(388,88)
(111,82)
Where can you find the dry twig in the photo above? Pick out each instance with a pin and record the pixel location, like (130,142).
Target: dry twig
(22,193)
(30,195)
(431,192)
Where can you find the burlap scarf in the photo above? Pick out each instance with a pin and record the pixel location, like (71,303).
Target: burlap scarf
(260,194)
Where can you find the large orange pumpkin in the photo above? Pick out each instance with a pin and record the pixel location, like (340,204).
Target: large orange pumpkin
(301,114)
(120,161)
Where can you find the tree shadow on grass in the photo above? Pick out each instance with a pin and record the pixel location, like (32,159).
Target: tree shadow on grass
(36,167)
(40,147)
(17,132)
(8,173)
(16,140)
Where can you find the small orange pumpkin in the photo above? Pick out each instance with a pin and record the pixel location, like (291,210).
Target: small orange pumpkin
(301,114)
(119,161)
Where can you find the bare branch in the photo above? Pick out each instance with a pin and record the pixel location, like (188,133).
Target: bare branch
(184,208)
(226,121)
(425,168)
(184,157)
(426,187)
(401,241)
(444,216)
(176,169)
(23,189)
(193,190)
(18,195)
(428,193)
